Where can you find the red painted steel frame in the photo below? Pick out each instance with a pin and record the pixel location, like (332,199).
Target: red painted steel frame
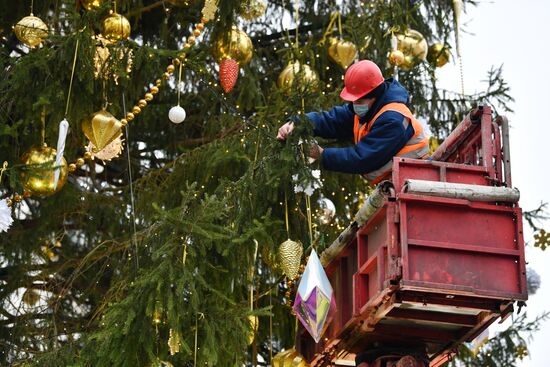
(429,272)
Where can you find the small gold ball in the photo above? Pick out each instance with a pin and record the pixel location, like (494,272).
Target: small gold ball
(302,268)
(124,122)
(287,294)
(204,20)
(166,76)
(289,283)
(154,90)
(191,40)
(87,155)
(27,194)
(158,82)
(130,116)
(183,55)
(149,97)
(170,69)
(142,103)
(186,45)
(200,26)
(196,32)
(17,198)
(9,202)
(80,162)
(72,167)
(136,110)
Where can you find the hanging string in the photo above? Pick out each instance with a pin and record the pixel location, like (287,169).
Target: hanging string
(179,82)
(309,222)
(330,27)
(72,76)
(297,22)
(197,335)
(43,119)
(340,24)
(286,216)
(32,7)
(184,257)
(130,180)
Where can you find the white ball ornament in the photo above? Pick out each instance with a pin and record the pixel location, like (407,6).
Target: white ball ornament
(176,114)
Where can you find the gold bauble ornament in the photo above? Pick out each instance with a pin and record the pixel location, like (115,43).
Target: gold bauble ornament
(236,46)
(111,150)
(290,256)
(37,176)
(31,297)
(31,30)
(414,47)
(289,358)
(252,9)
(116,27)
(306,76)
(101,128)
(254,322)
(396,57)
(91,4)
(342,52)
(438,54)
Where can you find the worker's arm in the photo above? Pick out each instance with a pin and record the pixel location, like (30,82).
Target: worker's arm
(387,137)
(336,123)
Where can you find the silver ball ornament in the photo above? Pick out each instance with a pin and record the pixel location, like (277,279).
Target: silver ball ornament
(177,114)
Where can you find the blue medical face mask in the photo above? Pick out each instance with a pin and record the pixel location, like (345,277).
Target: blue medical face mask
(361,109)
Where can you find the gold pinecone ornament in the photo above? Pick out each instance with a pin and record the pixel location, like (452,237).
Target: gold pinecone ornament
(290,257)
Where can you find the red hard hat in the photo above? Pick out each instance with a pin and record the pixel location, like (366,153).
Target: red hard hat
(361,78)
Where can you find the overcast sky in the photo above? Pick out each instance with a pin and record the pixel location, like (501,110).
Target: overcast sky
(515,34)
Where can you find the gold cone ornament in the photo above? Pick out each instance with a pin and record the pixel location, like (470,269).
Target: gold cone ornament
(414,47)
(116,28)
(290,256)
(342,52)
(254,323)
(306,77)
(289,358)
(231,51)
(91,4)
(438,54)
(31,30)
(37,176)
(252,9)
(101,128)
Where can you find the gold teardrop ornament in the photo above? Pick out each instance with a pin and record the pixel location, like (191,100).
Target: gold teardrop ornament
(290,256)
(101,128)
(37,175)
(31,31)
(342,52)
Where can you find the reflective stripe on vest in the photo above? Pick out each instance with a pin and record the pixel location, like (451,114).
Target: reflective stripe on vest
(416,147)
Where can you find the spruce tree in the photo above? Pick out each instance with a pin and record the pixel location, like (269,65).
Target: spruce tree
(172,236)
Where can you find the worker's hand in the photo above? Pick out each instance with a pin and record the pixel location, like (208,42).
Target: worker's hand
(315,151)
(285,130)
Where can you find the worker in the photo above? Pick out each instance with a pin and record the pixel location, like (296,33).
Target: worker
(376,117)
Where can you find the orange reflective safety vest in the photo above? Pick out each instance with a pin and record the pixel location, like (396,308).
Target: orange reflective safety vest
(416,147)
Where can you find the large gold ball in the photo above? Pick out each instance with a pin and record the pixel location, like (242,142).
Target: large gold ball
(438,54)
(101,128)
(305,76)
(252,9)
(31,30)
(116,28)
(236,45)
(414,46)
(342,52)
(91,4)
(37,176)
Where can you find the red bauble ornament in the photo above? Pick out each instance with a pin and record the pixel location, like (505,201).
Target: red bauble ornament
(229,72)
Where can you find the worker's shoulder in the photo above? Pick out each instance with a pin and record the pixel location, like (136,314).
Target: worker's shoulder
(389,117)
